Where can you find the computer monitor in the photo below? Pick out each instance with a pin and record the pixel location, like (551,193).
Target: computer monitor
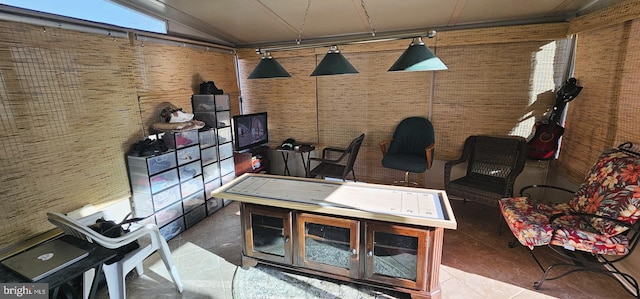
(249,130)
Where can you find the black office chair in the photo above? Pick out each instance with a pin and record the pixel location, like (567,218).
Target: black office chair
(493,163)
(411,149)
(340,166)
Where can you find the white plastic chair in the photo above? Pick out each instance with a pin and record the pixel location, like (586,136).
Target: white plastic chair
(150,241)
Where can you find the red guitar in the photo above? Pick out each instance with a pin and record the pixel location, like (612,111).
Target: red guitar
(544,144)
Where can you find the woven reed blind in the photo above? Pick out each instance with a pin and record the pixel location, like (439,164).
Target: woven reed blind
(71,103)
(170,75)
(493,88)
(333,110)
(605,113)
(69,112)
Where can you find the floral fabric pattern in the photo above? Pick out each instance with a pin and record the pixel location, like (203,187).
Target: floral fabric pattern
(610,190)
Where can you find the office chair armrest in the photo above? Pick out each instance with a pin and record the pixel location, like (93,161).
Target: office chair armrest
(429,150)
(383,146)
(525,188)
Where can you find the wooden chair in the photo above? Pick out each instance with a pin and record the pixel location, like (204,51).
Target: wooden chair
(600,220)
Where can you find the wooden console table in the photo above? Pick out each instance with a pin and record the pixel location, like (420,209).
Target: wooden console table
(383,236)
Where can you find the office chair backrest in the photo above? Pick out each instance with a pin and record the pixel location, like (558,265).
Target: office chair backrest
(412,136)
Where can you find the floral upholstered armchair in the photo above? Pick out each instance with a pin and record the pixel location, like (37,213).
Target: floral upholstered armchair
(600,219)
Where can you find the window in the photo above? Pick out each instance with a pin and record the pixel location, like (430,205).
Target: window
(101,11)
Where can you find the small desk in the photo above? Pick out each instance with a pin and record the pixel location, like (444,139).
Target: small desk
(97,256)
(300,149)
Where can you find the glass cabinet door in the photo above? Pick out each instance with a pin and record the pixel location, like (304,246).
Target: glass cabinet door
(328,244)
(267,233)
(396,254)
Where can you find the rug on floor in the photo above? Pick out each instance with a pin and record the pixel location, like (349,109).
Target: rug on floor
(264,281)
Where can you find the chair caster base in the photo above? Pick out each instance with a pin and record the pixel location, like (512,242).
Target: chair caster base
(537,285)
(406,184)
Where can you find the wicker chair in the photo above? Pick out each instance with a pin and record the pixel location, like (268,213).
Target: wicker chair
(598,226)
(493,164)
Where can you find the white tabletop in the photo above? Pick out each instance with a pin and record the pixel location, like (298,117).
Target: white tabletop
(426,207)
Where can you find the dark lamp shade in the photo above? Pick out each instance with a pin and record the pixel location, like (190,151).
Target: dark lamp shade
(334,64)
(418,58)
(268,67)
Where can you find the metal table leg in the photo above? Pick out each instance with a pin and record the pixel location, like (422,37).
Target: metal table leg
(305,164)
(285,157)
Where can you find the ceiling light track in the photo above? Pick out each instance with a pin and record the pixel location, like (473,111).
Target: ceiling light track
(328,42)
(161,38)
(391,35)
(417,57)
(333,63)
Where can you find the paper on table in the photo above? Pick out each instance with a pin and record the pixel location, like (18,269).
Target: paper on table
(301,191)
(380,200)
(387,201)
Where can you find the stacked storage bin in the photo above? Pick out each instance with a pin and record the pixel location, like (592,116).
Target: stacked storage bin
(167,187)
(216,144)
(173,189)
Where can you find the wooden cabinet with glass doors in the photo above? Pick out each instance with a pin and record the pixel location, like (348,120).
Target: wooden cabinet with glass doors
(382,236)
(267,233)
(328,244)
(376,253)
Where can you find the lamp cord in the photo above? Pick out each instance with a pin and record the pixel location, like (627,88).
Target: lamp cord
(373,31)
(306,12)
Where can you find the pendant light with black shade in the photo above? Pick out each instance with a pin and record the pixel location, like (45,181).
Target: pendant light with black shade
(268,67)
(334,64)
(418,57)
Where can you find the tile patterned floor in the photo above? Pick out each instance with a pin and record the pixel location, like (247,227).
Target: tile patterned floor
(476,263)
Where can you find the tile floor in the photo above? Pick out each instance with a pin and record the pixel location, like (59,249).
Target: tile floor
(476,263)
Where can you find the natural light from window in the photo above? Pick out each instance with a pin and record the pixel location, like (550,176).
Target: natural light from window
(543,63)
(101,11)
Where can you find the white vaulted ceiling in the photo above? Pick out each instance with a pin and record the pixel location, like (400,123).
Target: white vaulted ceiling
(255,23)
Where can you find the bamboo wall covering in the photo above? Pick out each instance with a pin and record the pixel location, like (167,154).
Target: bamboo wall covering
(606,112)
(500,81)
(492,88)
(70,110)
(71,103)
